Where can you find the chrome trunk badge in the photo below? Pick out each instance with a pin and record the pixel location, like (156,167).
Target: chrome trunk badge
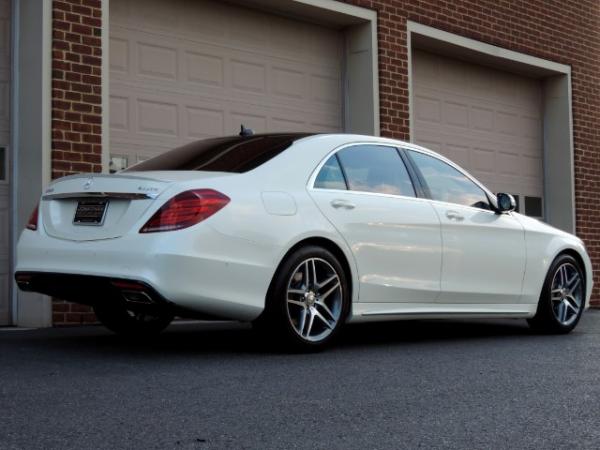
(88,183)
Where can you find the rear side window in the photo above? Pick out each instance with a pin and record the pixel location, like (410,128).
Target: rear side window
(447,184)
(236,154)
(376,168)
(330,176)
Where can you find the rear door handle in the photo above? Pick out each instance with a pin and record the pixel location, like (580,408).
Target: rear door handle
(454,215)
(338,203)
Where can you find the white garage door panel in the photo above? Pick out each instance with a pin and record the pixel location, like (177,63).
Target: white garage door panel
(486,120)
(5,71)
(185,70)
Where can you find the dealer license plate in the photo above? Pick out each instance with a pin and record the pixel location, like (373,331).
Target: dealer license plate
(90,212)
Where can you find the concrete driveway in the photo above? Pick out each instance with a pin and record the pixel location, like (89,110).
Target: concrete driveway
(483,385)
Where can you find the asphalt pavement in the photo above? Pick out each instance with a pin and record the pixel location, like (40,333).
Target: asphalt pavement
(420,384)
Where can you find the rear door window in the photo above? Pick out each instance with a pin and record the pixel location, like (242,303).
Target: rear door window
(376,168)
(330,176)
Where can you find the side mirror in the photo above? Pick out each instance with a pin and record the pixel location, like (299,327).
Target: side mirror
(506,202)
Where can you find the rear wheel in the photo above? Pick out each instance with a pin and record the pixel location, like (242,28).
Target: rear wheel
(309,299)
(563,297)
(119,319)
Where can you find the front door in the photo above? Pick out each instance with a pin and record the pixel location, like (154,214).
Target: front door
(483,252)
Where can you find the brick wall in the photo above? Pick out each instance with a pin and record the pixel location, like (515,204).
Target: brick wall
(76,106)
(565,31)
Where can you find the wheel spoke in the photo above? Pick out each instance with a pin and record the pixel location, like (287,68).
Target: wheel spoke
(296,302)
(311,320)
(296,291)
(306,274)
(326,308)
(556,295)
(331,289)
(563,276)
(574,282)
(302,321)
(324,320)
(562,311)
(573,301)
(314,269)
(322,284)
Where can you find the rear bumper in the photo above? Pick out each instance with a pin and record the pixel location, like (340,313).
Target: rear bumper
(197,270)
(91,290)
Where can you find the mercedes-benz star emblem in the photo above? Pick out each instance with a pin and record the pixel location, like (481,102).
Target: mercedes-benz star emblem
(88,183)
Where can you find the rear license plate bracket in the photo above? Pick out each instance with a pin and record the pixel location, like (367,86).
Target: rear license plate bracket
(90,212)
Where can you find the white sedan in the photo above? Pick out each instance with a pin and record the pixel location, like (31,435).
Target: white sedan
(298,234)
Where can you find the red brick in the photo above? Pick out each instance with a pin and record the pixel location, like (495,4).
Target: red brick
(73,116)
(91,21)
(91,60)
(82,107)
(89,118)
(81,10)
(92,3)
(61,6)
(81,29)
(72,76)
(92,138)
(81,68)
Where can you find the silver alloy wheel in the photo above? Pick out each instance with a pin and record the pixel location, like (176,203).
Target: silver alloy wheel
(314,299)
(566,293)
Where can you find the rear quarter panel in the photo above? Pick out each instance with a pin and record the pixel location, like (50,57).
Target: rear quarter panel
(270,205)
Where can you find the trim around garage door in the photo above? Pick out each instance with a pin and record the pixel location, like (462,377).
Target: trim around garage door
(559,196)
(360,72)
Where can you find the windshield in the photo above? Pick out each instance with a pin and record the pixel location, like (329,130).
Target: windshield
(236,154)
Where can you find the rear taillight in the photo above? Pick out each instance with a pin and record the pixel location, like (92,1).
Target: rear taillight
(32,223)
(186,209)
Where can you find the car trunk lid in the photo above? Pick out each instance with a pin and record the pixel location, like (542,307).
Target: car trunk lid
(91,207)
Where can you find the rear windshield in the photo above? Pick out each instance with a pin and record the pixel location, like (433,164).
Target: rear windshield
(228,154)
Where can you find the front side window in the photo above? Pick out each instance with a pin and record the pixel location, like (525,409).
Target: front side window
(330,176)
(375,168)
(446,184)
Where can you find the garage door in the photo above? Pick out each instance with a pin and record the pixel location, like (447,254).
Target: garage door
(182,70)
(486,120)
(5,64)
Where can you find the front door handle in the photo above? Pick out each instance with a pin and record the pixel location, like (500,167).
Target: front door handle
(345,204)
(454,215)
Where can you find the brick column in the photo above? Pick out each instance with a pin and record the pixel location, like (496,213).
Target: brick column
(76,106)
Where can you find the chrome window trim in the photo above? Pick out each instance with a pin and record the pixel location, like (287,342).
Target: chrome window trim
(400,145)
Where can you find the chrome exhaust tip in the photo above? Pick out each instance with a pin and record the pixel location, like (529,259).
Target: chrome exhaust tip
(137,297)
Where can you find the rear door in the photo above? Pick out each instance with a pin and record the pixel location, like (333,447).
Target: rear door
(483,252)
(367,194)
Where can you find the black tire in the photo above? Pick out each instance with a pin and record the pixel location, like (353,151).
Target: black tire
(279,323)
(549,311)
(132,324)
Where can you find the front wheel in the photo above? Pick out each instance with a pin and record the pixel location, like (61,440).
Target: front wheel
(309,299)
(119,319)
(563,297)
